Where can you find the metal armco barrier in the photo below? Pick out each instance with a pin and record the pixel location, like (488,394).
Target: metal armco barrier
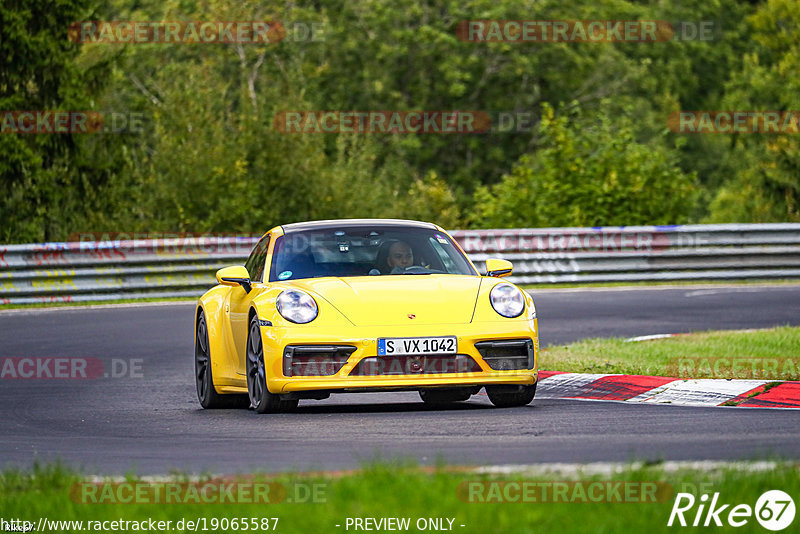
(184,267)
(641,253)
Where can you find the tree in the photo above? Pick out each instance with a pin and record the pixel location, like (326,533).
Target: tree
(764,185)
(587,171)
(42,191)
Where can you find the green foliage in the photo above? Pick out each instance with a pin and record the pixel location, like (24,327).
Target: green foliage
(209,158)
(41,190)
(429,199)
(765,183)
(587,172)
(465,496)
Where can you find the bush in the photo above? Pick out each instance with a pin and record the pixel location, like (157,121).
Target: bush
(587,171)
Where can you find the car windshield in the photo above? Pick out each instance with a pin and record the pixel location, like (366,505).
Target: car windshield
(366,251)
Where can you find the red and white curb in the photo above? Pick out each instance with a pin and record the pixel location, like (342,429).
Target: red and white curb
(666,390)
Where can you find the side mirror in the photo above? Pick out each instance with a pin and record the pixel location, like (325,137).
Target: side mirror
(497,267)
(235,275)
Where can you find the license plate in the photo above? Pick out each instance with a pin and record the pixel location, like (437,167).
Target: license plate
(401,346)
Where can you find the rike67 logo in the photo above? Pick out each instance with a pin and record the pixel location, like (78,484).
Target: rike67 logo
(774,510)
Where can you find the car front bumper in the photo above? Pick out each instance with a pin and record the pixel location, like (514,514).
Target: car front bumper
(364,339)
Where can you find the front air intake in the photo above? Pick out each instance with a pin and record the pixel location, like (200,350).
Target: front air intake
(507,354)
(315,360)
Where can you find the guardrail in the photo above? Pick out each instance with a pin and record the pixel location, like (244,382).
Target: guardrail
(184,267)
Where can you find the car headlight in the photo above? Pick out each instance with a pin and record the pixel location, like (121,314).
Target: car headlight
(507,300)
(297,306)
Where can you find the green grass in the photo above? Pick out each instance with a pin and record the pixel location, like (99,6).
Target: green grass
(772,354)
(381,490)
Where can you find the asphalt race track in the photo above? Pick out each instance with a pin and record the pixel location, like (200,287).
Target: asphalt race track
(566,316)
(151,422)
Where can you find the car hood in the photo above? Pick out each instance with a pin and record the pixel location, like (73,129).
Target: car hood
(385,300)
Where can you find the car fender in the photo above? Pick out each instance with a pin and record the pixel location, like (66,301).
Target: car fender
(273,326)
(220,344)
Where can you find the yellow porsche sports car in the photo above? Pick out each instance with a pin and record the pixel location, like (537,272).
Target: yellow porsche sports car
(363,305)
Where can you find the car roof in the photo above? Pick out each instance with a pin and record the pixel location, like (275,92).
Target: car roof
(349,223)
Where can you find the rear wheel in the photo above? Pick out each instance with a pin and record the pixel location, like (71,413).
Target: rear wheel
(510,396)
(204,379)
(261,399)
(440,397)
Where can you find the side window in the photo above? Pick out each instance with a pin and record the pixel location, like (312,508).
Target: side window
(444,257)
(255,263)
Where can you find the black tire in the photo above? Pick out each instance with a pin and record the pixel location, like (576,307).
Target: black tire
(203,376)
(510,396)
(261,400)
(441,397)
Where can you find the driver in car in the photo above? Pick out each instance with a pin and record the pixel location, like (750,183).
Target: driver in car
(396,257)
(400,257)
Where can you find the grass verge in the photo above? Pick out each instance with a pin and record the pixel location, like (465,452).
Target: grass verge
(770,354)
(530,502)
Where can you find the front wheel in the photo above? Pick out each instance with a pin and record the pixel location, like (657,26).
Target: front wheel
(510,396)
(261,399)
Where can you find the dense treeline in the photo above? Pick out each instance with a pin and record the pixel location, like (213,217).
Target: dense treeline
(207,156)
